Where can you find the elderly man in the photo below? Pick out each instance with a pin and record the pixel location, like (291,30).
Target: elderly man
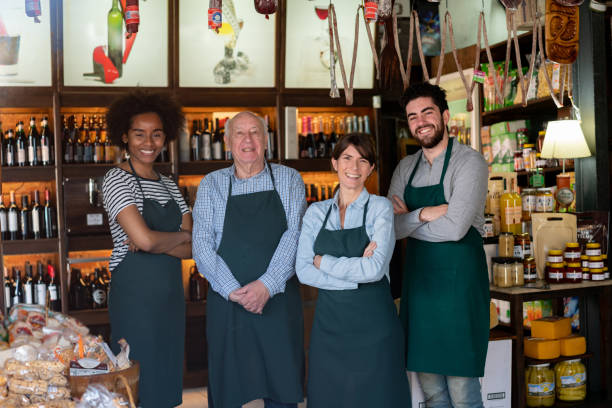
(438,197)
(246,228)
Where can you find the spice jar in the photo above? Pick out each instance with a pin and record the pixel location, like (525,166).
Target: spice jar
(502,272)
(555,256)
(506,245)
(572,252)
(597,274)
(488,226)
(545,202)
(519,164)
(586,272)
(522,246)
(540,382)
(593,249)
(573,272)
(570,378)
(596,262)
(518,277)
(528,198)
(555,273)
(530,270)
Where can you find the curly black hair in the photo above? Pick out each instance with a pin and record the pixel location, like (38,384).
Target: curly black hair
(425,89)
(121,112)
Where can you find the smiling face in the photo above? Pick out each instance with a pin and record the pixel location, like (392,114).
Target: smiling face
(427,125)
(247,140)
(353,169)
(145,138)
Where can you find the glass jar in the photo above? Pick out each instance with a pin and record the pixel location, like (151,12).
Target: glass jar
(528,199)
(606,273)
(540,382)
(597,274)
(536,178)
(506,245)
(518,276)
(502,272)
(519,164)
(488,226)
(570,377)
(522,246)
(540,162)
(555,273)
(510,211)
(586,272)
(496,189)
(573,272)
(545,202)
(605,268)
(529,156)
(530,270)
(593,249)
(521,138)
(572,252)
(596,262)
(555,256)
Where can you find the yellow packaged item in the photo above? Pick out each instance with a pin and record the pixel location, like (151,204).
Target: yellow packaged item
(542,349)
(540,382)
(551,327)
(570,377)
(573,345)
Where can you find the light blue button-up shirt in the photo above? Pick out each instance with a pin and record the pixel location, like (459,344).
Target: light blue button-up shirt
(347,273)
(209,214)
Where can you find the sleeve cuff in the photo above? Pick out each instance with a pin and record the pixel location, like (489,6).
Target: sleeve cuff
(414,217)
(271,285)
(326,263)
(226,290)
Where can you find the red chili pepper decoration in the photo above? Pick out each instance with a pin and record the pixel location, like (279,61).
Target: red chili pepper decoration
(266,7)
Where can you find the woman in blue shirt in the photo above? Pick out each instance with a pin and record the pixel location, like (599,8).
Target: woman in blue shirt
(356,356)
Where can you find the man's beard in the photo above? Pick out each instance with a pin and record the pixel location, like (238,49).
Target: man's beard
(433,141)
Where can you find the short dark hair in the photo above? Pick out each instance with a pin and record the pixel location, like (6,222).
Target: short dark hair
(121,112)
(425,89)
(361,141)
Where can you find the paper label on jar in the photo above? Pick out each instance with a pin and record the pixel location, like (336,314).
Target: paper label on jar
(596,265)
(542,389)
(570,381)
(529,203)
(488,229)
(555,275)
(572,255)
(530,276)
(598,277)
(574,275)
(593,252)
(518,251)
(545,203)
(555,259)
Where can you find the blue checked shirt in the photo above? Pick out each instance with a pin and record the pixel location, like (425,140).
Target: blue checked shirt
(209,214)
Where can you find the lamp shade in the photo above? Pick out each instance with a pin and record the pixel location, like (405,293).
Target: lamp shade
(564,140)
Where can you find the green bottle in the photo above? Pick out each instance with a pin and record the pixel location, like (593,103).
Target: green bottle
(115,36)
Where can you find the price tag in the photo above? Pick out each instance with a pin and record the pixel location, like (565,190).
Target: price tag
(94,219)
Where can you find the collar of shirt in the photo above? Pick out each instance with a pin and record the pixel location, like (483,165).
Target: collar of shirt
(232,173)
(359,202)
(440,157)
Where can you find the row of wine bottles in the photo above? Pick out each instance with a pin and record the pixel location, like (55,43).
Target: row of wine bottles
(316,192)
(30,289)
(89,291)
(35,149)
(318,136)
(207,143)
(36,222)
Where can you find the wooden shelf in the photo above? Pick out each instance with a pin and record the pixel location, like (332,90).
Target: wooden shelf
(541,107)
(91,317)
(27,173)
(89,242)
(30,246)
(557,169)
(201,167)
(310,164)
(99,170)
(533,361)
(497,333)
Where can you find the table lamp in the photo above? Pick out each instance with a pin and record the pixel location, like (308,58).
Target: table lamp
(564,140)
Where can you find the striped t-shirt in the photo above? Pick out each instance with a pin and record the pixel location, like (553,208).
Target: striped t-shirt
(120,189)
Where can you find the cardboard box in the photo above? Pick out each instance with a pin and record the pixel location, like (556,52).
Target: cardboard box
(496,385)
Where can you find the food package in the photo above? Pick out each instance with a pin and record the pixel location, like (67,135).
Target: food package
(98,396)
(551,231)
(593,227)
(542,349)
(554,72)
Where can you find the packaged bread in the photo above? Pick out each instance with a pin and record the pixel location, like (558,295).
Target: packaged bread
(58,380)
(36,387)
(57,393)
(54,366)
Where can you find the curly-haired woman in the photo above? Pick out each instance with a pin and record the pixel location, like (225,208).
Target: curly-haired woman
(151,229)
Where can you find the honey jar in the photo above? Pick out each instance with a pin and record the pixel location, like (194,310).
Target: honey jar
(556,273)
(572,252)
(593,249)
(573,273)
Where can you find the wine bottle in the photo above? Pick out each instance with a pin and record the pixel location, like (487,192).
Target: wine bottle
(2,159)
(206,141)
(321,146)
(40,287)
(366,124)
(98,291)
(46,143)
(109,152)
(37,217)
(28,285)
(226,149)
(332,139)
(98,147)
(195,142)
(54,300)
(77,140)
(33,143)
(22,145)
(24,218)
(17,287)
(9,148)
(217,145)
(50,218)
(87,145)
(67,141)
(13,218)
(8,289)
(270,146)
(115,36)
(4,230)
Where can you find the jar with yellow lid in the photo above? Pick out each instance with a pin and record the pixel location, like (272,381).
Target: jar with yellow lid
(596,262)
(529,156)
(572,252)
(605,268)
(597,274)
(555,256)
(555,273)
(593,249)
(573,272)
(570,378)
(586,272)
(540,383)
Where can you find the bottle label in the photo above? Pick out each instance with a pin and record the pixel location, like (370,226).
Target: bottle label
(36,221)
(16,299)
(596,265)
(216,150)
(518,251)
(214,18)
(10,161)
(27,289)
(572,381)
(593,252)
(13,224)
(3,222)
(52,293)
(21,156)
(532,275)
(99,296)
(586,276)
(132,16)
(7,297)
(574,275)
(31,153)
(41,294)
(45,153)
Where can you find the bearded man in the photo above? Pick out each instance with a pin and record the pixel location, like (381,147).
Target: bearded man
(438,197)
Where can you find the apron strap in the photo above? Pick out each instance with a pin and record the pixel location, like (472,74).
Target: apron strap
(229,194)
(140,185)
(449,149)
(365,211)
(414,170)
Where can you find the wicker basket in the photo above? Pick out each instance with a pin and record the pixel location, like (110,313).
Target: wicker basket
(116,381)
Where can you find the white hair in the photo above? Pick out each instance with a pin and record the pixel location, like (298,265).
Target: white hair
(260,121)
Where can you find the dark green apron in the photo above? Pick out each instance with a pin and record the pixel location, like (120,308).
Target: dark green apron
(147,307)
(445,295)
(356,356)
(253,356)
